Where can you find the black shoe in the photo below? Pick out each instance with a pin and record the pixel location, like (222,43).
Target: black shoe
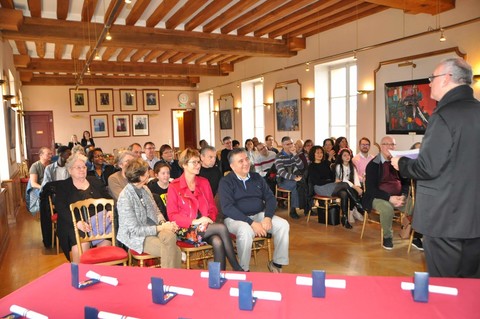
(387,243)
(345,223)
(360,208)
(294,215)
(417,243)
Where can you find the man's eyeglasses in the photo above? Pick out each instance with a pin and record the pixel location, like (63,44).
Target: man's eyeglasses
(432,77)
(364,144)
(389,144)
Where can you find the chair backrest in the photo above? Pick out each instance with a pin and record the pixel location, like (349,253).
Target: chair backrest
(93,212)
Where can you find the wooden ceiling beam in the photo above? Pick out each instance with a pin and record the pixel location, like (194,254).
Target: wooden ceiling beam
(123,54)
(184,12)
(50,65)
(40,48)
(231,13)
(108,53)
(152,55)
(88,9)
(21,61)
(62,9)
(26,77)
(166,55)
(192,57)
(178,57)
(432,7)
(138,55)
(160,12)
(110,9)
(205,14)
(7,4)
(136,12)
(106,81)
(21,47)
(10,19)
(70,32)
(35,8)
(251,15)
(76,51)
(59,49)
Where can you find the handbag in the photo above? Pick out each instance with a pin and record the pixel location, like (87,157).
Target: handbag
(193,235)
(333,215)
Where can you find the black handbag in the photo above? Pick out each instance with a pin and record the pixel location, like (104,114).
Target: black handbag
(333,215)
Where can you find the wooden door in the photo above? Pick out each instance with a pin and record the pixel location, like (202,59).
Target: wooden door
(38,133)
(189,129)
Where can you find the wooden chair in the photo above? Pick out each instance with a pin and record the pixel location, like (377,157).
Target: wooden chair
(259,243)
(412,232)
(142,260)
(201,253)
(93,212)
(279,194)
(327,202)
(54,217)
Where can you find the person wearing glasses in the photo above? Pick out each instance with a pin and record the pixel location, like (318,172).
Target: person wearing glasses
(166,156)
(227,141)
(447,209)
(98,167)
(362,158)
(149,156)
(385,189)
(191,205)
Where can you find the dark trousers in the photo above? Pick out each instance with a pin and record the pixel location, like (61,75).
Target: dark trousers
(448,257)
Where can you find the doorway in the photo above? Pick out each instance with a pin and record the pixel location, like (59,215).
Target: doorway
(38,133)
(184,128)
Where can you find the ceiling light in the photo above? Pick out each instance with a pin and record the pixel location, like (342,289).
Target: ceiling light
(108,37)
(97,57)
(442,36)
(88,71)
(128,1)
(307,68)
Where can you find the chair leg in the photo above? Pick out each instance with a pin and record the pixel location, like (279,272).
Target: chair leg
(410,241)
(326,213)
(58,244)
(53,235)
(188,259)
(269,248)
(365,220)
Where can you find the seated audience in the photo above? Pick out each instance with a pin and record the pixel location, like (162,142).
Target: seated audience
(57,170)
(340,143)
(249,207)
(136,149)
(269,143)
(149,156)
(99,168)
(73,141)
(142,226)
(159,186)
(191,205)
(117,181)
(227,142)
(304,153)
(362,158)
(166,156)
(328,148)
(87,141)
(210,167)
(263,159)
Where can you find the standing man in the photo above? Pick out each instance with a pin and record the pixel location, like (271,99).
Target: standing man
(249,208)
(149,156)
(447,210)
(289,172)
(227,142)
(362,158)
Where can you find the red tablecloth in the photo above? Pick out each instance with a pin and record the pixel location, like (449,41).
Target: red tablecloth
(364,297)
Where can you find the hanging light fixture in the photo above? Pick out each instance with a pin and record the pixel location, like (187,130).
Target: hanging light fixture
(97,57)
(108,37)
(442,36)
(307,67)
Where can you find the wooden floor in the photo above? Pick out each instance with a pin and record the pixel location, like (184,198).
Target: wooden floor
(312,246)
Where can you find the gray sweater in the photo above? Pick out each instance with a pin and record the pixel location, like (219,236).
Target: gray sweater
(137,218)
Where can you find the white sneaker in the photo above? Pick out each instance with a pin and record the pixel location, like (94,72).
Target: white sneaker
(357,215)
(351,220)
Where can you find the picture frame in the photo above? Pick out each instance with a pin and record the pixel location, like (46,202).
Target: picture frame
(121,125)
(225,119)
(408,106)
(104,99)
(79,100)
(128,100)
(287,115)
(151,101)
(140,124)
(99,125)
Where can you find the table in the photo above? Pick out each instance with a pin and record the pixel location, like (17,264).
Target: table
(365,297)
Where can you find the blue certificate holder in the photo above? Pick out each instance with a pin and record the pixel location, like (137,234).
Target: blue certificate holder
(246,301)
(215,281)
(90,313)
(159,296)
(75,281)
(318,283)
(420,292)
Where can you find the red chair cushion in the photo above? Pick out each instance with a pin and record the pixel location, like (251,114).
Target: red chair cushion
(54,217)
(147,262)
(183,244)
(103,254)
(136,253)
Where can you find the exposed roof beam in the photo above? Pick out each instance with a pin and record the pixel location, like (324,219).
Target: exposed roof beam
(160,12)
(415,6)
(10,19)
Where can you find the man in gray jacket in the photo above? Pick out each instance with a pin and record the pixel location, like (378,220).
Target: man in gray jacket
(447,209)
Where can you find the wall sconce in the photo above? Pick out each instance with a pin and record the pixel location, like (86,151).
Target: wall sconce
(2,81)
(307,99)
(476,77)
(8,97)
(361,92)
(267,104)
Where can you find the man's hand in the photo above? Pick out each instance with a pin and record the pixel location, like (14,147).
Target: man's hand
(397,201)
(267,223)
(258,229)
(298,178)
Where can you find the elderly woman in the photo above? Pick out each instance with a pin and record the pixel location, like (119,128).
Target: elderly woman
(142,226)
(77,187)
(99,168)
(190,203)
(117,181)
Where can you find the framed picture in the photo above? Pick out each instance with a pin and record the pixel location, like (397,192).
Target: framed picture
(287,115)
(408,106)
(12,128)
(150,100)
(121,125)
(79,100)
(226,119)
(128,100)
(140,124)
(99,125)
(104,98)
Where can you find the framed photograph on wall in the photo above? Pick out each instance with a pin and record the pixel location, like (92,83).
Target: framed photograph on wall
(128,100)
(408,106)
(287,115)
(99,125)
(140,124)
(121,125)
(225,119)
(104,98)
(79,100)
(151,100)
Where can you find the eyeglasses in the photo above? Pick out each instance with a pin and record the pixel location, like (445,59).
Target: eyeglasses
(364,144)
(149,148)
(389,144)
(194,163)
(98,156)
(432,77)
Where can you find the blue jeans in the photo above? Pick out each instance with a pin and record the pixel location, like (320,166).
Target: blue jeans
(291,186)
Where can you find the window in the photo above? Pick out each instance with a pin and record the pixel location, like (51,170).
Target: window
(252,108)
(206,117)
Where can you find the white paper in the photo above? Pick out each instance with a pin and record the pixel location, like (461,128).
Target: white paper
(413,154)
(432,288)
(109,315)
(264,295)
(329,283)
(105,279)
(232,276)
(26,313)
(178,290)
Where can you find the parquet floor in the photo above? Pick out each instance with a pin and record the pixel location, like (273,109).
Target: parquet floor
(312,246)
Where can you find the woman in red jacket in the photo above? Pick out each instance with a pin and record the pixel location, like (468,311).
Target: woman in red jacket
(191,205)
